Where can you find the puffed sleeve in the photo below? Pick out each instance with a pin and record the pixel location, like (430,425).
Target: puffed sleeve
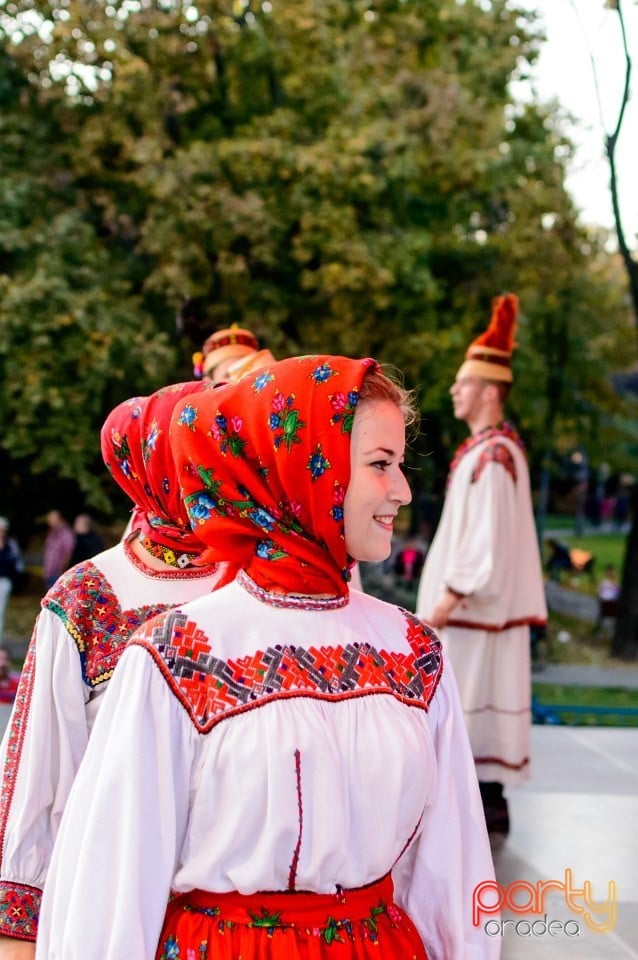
(42,748)
(481,563)
(435,878)
(123,827)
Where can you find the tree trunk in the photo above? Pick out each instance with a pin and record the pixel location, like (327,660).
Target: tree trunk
(625,642)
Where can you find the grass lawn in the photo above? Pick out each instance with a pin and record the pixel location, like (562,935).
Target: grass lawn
(606,547)
(577,644)
(581,698)
(559,521)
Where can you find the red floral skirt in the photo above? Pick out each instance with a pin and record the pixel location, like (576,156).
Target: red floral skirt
(355,924)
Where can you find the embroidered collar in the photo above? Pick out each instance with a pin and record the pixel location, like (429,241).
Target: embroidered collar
(168,555)
(175,573)
(503,429)
(289,601)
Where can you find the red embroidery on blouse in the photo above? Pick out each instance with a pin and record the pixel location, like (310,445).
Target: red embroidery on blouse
(495,452)
(292,873)
(212,689)
(15,740)
(86,604)
(19,910)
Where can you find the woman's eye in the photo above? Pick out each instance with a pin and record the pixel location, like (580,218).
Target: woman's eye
(380,464)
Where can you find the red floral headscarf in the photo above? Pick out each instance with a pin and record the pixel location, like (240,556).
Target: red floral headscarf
(136,451)
(264,465)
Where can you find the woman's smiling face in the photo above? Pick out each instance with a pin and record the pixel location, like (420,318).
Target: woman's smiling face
(377,485)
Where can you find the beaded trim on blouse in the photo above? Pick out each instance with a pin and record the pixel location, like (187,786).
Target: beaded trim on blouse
(191,573)
(167,555)
(289,601)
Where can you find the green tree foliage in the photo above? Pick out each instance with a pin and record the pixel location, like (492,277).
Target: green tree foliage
(347,176)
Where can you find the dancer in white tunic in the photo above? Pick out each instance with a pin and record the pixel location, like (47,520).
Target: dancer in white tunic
(85,621)
(286,758)
(482,584)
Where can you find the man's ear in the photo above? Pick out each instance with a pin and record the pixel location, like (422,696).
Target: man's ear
(491,393)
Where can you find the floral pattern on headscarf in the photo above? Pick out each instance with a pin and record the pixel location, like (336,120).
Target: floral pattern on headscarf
(264,465)
(136,451)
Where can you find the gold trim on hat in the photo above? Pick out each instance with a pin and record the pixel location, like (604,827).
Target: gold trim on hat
(485,371)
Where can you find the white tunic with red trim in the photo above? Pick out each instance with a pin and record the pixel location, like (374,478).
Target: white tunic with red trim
(250,742)
(85,622)
(486,548)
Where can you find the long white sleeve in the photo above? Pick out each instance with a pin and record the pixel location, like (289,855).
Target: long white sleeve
(436,877)
(128,806)
(41,751)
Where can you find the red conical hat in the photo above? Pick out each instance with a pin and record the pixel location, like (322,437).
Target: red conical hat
(490,355)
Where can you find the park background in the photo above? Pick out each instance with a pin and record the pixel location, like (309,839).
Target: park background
(348,176)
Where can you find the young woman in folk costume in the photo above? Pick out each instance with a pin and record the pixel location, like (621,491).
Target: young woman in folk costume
(287,761)
(85,621)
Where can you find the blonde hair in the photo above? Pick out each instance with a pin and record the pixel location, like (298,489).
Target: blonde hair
(379,386)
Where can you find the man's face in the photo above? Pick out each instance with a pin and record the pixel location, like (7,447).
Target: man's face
(219,374)
(467,397)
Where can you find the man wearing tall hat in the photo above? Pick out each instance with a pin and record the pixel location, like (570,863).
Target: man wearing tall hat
(228,354)
(482,585)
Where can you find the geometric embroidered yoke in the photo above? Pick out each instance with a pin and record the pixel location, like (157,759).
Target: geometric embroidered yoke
(212,688)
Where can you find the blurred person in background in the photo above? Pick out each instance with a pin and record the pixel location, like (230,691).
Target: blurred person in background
(9,678)
(482,584)
(87,541)
(58,547)
(11,568)
(221,350)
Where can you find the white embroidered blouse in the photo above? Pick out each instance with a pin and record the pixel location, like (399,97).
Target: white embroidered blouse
(251,742)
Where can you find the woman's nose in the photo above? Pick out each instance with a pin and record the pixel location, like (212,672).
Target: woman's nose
(401,492)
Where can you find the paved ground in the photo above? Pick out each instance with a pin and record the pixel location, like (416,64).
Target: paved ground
(571,602)
(577,812)
(572,674)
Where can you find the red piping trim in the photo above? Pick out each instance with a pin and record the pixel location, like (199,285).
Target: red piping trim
(497,627)
(503,763)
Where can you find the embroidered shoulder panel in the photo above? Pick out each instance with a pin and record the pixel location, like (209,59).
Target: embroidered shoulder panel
(504,429)
(495,452)
(212,689)
(19,910)
(87,605)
